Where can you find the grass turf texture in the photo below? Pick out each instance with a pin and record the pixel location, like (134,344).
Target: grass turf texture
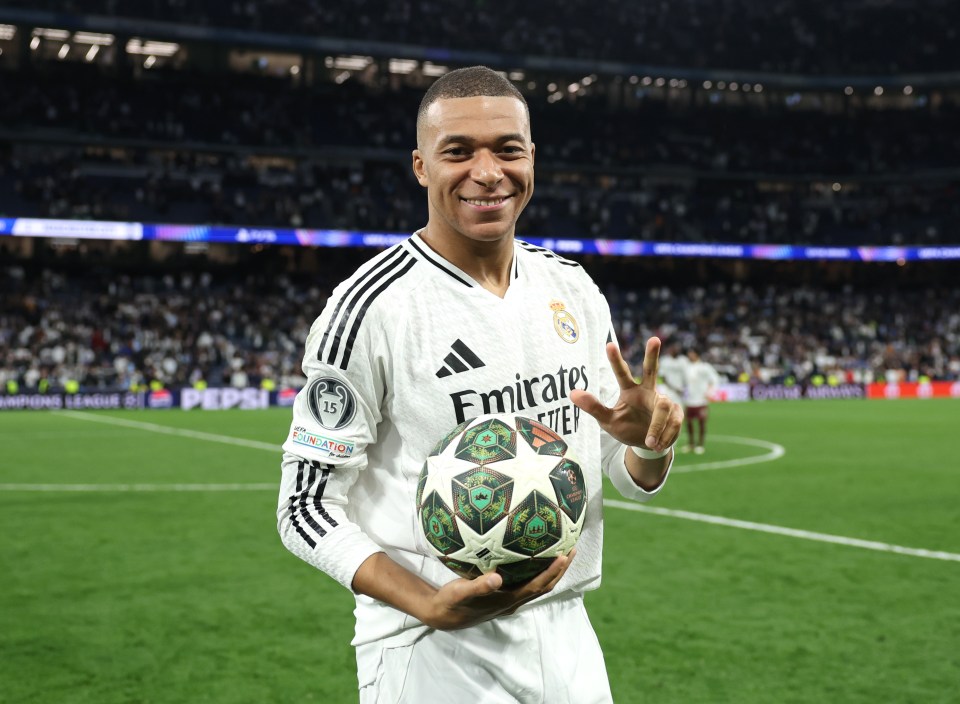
(190,597)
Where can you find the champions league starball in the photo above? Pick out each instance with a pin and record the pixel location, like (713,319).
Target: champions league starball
(501,493)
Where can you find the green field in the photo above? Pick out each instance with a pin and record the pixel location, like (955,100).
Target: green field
(126,593)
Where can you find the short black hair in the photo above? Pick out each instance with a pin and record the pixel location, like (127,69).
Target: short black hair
(468,82)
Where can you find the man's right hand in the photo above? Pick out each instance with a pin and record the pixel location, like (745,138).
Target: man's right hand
(465,602)
(458,604)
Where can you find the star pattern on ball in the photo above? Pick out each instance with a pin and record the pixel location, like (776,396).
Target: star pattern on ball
(501,493)
(536,471)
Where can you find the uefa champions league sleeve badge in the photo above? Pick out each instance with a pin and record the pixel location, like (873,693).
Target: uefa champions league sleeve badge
(564,322)
(331,402)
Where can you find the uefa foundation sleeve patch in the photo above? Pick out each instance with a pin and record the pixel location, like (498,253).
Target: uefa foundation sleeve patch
(331,447)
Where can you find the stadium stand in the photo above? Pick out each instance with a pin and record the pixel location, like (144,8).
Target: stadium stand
(782,35)
(252,128)
(178,324)
(179,146)
(134,185)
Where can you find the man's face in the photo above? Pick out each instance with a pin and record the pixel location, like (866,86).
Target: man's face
(475,158)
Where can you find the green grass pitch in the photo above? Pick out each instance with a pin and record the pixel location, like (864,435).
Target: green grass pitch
(188,596)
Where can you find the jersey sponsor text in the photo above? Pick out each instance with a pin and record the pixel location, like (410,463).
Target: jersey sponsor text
(528,394)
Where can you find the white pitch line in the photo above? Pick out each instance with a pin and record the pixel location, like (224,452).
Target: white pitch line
(613,503)
(779,530)
(138,487)
(775,452)
(167,430)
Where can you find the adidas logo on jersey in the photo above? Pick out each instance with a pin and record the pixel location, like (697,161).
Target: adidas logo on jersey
(461,359)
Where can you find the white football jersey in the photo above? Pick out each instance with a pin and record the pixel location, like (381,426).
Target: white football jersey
(407,348)
(702,379)
(673,369)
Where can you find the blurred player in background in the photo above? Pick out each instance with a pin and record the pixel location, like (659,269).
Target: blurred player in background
(459,320)
(673,373)
(701,379)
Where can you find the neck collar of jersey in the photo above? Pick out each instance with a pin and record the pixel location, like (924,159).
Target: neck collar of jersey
(422,250)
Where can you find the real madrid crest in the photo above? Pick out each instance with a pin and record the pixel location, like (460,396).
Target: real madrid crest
(564,323)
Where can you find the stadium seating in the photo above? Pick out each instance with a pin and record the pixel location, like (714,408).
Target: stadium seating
(109,331)
(782,35)
(173,146)
(201,140)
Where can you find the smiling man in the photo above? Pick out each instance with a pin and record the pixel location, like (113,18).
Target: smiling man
(474,156)
(459,320)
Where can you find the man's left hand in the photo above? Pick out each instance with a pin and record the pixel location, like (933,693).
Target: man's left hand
(642,417)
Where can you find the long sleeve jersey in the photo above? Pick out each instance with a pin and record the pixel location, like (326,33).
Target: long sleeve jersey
(701,380)
(408,347)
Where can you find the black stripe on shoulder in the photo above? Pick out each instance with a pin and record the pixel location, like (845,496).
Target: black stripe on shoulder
(293,510)
(311,521)
(338,337)
(547,253)
(366,305)
(318,496)
(347,299)
(437,264)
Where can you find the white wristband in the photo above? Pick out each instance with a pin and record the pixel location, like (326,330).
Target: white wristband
(645,454)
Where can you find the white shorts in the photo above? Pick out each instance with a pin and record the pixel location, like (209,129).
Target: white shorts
(545,653)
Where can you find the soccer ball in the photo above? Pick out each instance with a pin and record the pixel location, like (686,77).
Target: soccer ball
(501,493)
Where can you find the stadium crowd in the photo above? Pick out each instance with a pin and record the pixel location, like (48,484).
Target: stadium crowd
(104,331)
(856,36)
(182,148)
(261,191)
(125,332)
(176,144)
(600,128)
